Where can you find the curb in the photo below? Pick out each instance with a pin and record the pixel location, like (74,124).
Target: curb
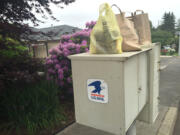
(168,124)
(163,67)
(165,56)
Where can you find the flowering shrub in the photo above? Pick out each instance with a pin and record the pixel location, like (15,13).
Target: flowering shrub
(58,65)
(168,51)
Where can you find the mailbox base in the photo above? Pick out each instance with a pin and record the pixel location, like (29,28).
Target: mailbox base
(132,130)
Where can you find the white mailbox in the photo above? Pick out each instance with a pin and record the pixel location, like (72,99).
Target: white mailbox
(110,90)
(151,110)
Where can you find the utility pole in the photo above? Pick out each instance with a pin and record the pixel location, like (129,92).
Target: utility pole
(178,34)
(179,43)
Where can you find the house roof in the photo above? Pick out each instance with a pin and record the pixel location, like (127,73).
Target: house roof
(52,33)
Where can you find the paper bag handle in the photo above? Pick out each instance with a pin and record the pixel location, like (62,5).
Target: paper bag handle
(114,5)
(121,10)
(138,10)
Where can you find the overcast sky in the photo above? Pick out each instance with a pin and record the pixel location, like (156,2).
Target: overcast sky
(81,11)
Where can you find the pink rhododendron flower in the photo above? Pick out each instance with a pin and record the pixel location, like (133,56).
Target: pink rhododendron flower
(70,41)
(86,49)
(64,62)
(69,80)
(55,61)
(49,61)
(60,71)
(66,68)
(54,56)
(50,51)
(61,76)
(50,70)
(84,42)
(58,65)
(57,51)
(66,52)
(87,24)
(77,49)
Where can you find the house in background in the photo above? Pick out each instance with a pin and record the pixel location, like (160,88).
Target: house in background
(47,38)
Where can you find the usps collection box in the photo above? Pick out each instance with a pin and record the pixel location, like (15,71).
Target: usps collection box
(151,109)
(110,91)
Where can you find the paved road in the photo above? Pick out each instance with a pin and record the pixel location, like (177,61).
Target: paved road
(166,60)
(170,81)
(170,86)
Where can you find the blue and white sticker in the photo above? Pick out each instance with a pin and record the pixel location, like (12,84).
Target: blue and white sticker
(97,90)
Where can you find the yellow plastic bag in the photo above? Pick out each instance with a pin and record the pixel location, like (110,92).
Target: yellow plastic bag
(105,37)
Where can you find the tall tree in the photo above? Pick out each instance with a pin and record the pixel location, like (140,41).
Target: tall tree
(13,13)
(168,23)
(165,37)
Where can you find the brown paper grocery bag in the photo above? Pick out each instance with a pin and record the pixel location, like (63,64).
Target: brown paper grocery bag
(142,26)
(130,37)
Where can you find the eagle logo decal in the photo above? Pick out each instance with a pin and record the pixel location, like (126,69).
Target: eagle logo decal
(97,86)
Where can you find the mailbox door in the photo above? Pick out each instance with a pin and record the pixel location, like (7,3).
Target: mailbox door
(150,112)
(131,90)
(135,84)
(107,116)
(142,80)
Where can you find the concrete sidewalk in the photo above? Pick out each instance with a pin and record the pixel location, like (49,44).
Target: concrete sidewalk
(142,128)
(147,129)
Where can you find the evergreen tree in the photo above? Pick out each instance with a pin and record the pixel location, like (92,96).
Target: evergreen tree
(168,23)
